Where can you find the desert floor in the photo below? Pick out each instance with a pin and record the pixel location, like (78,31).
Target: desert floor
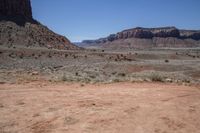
(95,66)
(46,107)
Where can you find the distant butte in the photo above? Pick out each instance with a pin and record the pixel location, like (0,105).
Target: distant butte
(148,38)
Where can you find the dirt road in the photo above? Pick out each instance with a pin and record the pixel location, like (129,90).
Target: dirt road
(105,108)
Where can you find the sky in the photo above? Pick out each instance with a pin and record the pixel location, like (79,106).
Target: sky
(92,19)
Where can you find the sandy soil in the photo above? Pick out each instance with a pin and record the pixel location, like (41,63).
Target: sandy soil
(101,108)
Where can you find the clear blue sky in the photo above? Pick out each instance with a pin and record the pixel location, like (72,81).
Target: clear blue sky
(90,19)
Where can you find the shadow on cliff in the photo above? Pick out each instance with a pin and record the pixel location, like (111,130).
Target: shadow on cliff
(19,20)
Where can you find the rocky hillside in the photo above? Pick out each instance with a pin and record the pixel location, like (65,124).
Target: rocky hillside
(148,37)
(19,29)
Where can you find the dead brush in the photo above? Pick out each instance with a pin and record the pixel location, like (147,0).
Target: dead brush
(64,77)
(155,77)
(166,61)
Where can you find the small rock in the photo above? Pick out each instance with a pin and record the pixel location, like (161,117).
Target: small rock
(35,73)
(1,105)
(147,80)
(2,82)
(169,80)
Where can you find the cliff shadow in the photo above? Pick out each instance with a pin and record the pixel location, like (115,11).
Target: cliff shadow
(19,20)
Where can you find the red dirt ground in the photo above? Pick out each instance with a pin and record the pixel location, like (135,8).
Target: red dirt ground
(101,108)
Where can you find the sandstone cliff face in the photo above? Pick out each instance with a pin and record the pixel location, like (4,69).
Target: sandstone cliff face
(19,29)
(16,8)
(150,37)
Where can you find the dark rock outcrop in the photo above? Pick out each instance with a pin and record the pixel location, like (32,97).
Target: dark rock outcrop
(16,8)
(165,32)
(192,34)
(18,11)
(19,29)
